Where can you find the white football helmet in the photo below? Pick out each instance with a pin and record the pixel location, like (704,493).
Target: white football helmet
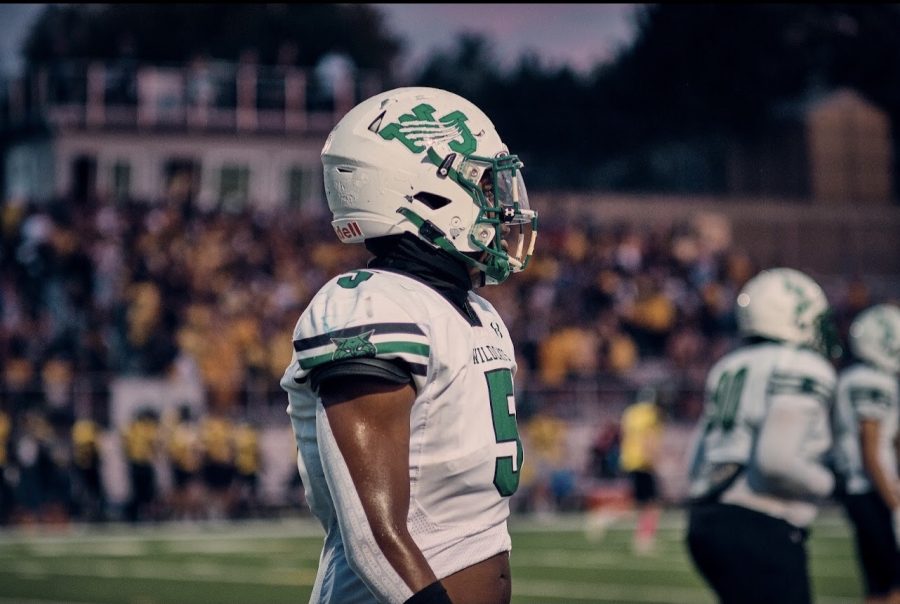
(786,305)
(429,162)
(875,337)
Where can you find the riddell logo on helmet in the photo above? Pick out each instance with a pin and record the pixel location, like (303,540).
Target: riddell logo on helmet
(349,230)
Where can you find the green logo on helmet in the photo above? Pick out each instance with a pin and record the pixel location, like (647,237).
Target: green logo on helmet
(888,338)
(803,302)
(421,130)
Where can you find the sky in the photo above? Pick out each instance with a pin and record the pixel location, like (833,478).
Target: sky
(579,35)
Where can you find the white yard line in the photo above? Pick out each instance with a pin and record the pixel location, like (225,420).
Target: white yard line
(607,592)
(199,572)
(168,532)
(607,560)
(4,600)
(568,591)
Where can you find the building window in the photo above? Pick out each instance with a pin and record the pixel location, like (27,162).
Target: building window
(298,186)
(121,180)
(234,187)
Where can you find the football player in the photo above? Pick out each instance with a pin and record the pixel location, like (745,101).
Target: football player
(401,384)
(865,430)
(642,428)
(757,473)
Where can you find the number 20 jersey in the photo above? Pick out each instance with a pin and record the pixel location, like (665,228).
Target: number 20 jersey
(740,389)
(465,453)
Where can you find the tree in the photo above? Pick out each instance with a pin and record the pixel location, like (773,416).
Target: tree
(696,78)
(296,33)
(728,66)
(535,109)
(707,73)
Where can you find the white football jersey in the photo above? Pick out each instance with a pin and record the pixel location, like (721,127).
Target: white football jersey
(737,448)
(864,392)
(465,452)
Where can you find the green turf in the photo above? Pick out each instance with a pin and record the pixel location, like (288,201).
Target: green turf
(553,561)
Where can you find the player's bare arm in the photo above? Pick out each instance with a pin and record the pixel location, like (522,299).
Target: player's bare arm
(370,423)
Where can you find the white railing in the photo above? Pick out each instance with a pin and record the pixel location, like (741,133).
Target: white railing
(202,96)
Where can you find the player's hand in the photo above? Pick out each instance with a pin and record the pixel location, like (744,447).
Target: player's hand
(895,518)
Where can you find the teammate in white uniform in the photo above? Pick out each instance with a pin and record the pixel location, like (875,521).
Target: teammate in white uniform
(865,430)
(401,385)
(757,471)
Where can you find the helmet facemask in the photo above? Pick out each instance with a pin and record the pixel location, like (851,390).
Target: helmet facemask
(506,227)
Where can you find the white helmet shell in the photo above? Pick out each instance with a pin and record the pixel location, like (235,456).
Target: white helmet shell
(875,337)
(783,304)
(428,162)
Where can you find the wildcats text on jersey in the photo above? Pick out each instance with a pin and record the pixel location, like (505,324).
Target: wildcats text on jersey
(488,353)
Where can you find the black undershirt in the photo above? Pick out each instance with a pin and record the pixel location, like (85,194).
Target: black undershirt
(410,256)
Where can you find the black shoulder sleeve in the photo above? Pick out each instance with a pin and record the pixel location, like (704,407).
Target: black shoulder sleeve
(396,372)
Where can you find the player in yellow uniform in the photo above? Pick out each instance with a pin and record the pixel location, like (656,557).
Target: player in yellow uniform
(641,435)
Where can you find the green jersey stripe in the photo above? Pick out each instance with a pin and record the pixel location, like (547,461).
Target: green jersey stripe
(378,328)
(820,393)
(804,384)
(382,348)
(872,396)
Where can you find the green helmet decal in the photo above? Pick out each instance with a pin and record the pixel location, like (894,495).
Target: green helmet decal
(803,302)
(422,126)
(888,340)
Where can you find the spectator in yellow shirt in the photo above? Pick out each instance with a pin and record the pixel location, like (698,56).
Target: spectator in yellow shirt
(142,446)
(186,460)
(86,457)
(247,466)
(6,491)
(217,433)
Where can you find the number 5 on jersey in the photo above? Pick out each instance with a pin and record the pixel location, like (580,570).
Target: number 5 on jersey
(503,411)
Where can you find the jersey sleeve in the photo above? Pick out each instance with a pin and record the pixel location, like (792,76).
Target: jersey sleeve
(795,435)
(869,395)
(359,319)
(808,376)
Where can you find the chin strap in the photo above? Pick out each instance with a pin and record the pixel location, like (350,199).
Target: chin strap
(434,235)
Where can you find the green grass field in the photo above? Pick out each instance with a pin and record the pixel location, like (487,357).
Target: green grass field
(274,561)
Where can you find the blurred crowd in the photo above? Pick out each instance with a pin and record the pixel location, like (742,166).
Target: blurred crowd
(91,291)
(54,473)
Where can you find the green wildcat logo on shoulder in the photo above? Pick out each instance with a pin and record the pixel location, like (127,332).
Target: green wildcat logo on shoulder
(354,347)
